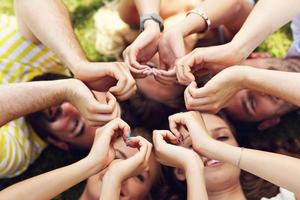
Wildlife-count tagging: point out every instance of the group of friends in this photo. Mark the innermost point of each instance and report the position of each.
(157, 125)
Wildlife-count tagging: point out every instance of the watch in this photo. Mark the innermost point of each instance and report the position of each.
(154, 17)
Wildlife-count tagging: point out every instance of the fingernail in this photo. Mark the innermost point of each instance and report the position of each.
(129, 136)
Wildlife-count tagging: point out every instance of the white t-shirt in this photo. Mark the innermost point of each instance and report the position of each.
(283, 195)
(294, 50)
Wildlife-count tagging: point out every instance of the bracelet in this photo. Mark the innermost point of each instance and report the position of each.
(239, 161)
(201, 13)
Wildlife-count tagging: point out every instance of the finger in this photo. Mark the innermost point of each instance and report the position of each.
(174, 123)
(193, 103)
(127, 94)
(202, 92)
(117, 89)
(187, 73)
(117, 124)
(133, 61)
(170, 73)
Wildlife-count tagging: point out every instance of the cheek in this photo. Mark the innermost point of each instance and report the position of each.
(137, 190)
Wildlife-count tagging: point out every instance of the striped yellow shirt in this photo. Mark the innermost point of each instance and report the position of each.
(20, 61)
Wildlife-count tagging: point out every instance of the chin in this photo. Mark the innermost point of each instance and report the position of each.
(218, 179)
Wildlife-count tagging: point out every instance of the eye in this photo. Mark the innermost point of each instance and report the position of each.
(222, 138)
(252, 102)
(141, 178)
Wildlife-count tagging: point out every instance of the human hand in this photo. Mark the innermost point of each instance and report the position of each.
(142, 49)
(138, 163)
(102, 152)
(190, 124)
(168, 152)
(216, 93)
(213, 59)
(90, 72)
(97, 108)
(171, 47)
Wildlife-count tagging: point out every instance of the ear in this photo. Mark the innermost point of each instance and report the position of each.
(59, 144)
(268, 123)
(180, 174)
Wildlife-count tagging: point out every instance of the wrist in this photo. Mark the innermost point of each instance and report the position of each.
(240, 50)
(194, 24)
(152, 26)
(71, 86)
(91, 166)
(74, 62)
(194, 164)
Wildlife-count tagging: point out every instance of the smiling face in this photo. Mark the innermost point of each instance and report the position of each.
(67, 125)
(134, 188)
(218, 175)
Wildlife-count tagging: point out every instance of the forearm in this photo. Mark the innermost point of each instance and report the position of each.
(271, 82)
(53, 182)
(195, 182)
(218, 13)
(147, 7)
(266, 17)
(269, 166)
(111, 187)
(50, 22)
(23, 98)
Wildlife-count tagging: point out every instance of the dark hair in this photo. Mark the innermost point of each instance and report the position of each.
(34, 119)
(140, 111)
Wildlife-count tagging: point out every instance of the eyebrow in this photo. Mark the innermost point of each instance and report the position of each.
(123, 155)
(219, 128)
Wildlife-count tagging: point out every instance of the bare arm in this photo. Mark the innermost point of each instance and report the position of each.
(54, 182)
(147, 7)
(269, 166)
(57, 181)
(218, 13)
(266, 17)
(272, 14)
(22, 98)
(276, 83)
(50, 22)
(223, 86)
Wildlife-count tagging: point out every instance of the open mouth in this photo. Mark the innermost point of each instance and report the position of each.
(77, 129)
(212, 163)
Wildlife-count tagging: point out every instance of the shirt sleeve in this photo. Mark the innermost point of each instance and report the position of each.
(283, 195)
(13, 159)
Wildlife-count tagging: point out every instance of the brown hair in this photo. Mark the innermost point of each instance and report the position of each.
(281, 139)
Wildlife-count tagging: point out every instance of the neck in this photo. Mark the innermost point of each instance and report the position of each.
(234, 192)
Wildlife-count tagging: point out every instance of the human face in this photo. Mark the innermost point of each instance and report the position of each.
(253, 106)
(134, 188)
(166, 94)
(218, 175)
(65, 122)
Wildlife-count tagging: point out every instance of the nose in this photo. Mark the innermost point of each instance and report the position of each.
(68, 109)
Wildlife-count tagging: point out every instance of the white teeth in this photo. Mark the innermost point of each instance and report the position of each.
(212, 162)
